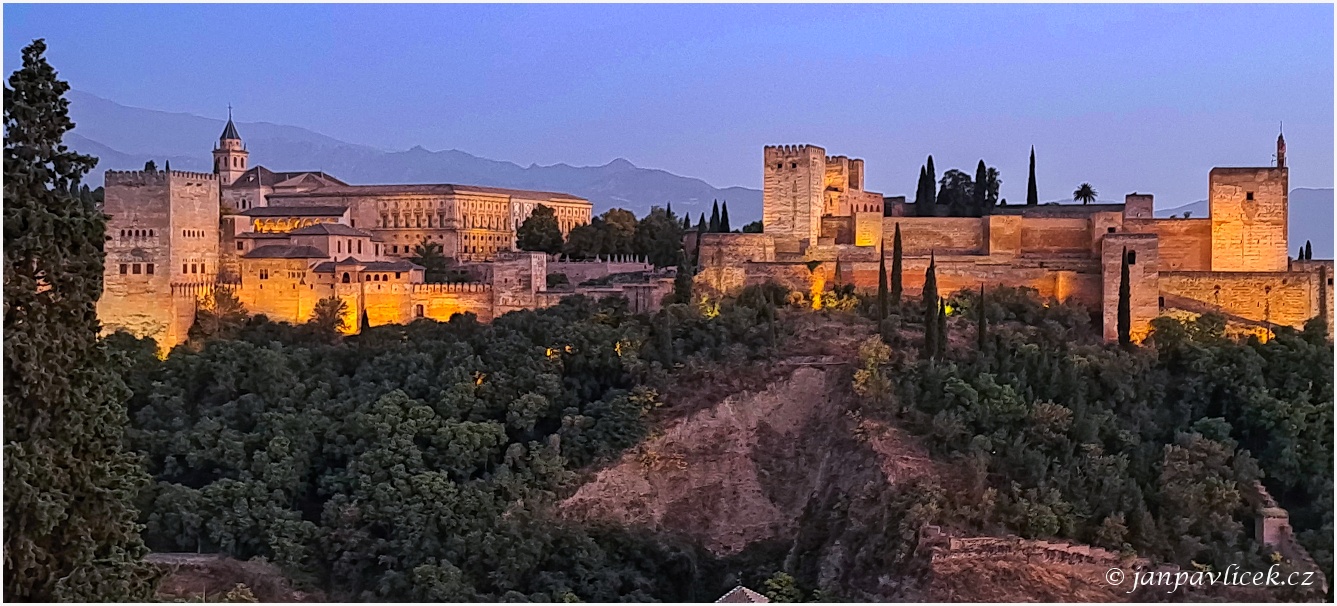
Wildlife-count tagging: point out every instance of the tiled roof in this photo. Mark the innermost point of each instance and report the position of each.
(262, 235)
(285, 251)
(259, 175)
(295, 211)
(329, 229)
(229, 131)
(441, 189)
(328, 266)
(742, 595)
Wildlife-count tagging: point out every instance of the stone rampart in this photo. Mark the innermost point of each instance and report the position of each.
(1285, 298)
(943, 235)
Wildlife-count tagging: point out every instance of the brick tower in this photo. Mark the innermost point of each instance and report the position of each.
(230, 155)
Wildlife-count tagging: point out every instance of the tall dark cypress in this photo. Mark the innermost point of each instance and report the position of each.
(715, 217)
(930, 306)
(881, 285)
(1125, 303)
(896, 268)
(923, 207)
(682, 283)
(1032, 194)
(940, 339)
(1309, 251)
(1300, 254)
(69, 517)
(724, 218)
(668, 210)
(981, 188)
(930, 182)
(982, 326)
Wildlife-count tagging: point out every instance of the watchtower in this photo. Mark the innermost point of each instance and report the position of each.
(792, 197)
(1249, 220)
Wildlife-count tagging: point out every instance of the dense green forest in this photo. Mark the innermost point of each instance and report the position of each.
(418, 462)
(1148, 449)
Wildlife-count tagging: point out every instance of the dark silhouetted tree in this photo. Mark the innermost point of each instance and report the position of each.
(540, 231)
(896, 279)
(724, 218)
(881, 285)
(1125, 319)
(715, 217)
(1084, 194)
(1032, 194)
(70, 524)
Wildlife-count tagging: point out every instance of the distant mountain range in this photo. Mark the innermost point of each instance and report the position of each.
(124, 138)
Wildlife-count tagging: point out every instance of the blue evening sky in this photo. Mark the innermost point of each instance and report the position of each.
(1127, 97)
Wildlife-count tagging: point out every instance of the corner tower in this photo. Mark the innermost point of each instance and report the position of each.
(1249, 216)
(230, 155)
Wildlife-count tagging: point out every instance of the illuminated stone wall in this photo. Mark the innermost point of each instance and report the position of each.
(1185, 244)
(1286, 298)
(1248, 213)
(1144, 278)
(945, 235)
(793, 195)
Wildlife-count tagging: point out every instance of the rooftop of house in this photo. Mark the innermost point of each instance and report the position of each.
(285, 251)
(330, 229)
(329, 266)
(742, 595)
(436, 188)
(295, 211)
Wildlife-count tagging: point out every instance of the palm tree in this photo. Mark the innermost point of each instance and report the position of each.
(1085, 193)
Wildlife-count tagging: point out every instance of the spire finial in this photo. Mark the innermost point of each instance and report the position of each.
(229, 111)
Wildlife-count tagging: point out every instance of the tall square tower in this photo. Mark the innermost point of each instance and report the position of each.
(792, 197)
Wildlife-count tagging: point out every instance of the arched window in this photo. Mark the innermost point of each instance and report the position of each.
(417, 311)
(347, 279)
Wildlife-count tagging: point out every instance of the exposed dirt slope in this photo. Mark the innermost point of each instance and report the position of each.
(210, 577)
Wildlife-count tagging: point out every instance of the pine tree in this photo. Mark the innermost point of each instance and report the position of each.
(1125, 303)
(1032, 194)
(70, 524)
(982, 330)
(724, 218)
(881, 286)
(981, 188)
(1309, 251)
(896, 267)
(715, 217)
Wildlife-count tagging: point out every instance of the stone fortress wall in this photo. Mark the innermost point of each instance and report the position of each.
(1234, 262)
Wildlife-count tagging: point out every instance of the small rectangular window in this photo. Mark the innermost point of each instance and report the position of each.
(185, 269)
(135, 269)
(1248, 196)
(1132, 257)
(241, 246)
(148, 269)
(1109, 230)
(124, 268)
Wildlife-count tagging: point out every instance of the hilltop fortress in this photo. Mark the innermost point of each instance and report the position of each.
(283, 241)
(821, 228)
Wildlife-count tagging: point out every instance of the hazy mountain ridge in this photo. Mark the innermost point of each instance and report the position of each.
(1310, 215)
(123, 138)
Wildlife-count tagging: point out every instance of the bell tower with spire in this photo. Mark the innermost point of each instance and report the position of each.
(230, 154)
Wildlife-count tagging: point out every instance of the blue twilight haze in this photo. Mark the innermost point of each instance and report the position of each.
(1126, 97)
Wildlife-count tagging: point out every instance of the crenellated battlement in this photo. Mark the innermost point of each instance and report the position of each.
(131, 178)
(792, 151)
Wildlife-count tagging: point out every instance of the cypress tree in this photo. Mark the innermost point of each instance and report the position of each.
(167, 166)
(930, 306)
(715, 217)
(682, 284)
(940, 339)
(922, 208)
(1300, 254)
(982, 331)
(981, 183)
(930, 182)
(881, 286)
(1032, 194)
(724, 218)
(1125, 303)
(70, 524)
(896, 267)
(1309, 251)
(366, 322)
(668, 210)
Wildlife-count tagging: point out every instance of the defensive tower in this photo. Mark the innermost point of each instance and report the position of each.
(792, 197)
(230, 155)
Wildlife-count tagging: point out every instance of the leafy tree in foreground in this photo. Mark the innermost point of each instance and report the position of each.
(330, 317)
(70, 532)
(540, 232)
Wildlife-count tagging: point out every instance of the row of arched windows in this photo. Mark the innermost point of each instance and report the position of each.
(137, 233)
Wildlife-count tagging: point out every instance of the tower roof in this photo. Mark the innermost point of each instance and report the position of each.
(229, 131)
